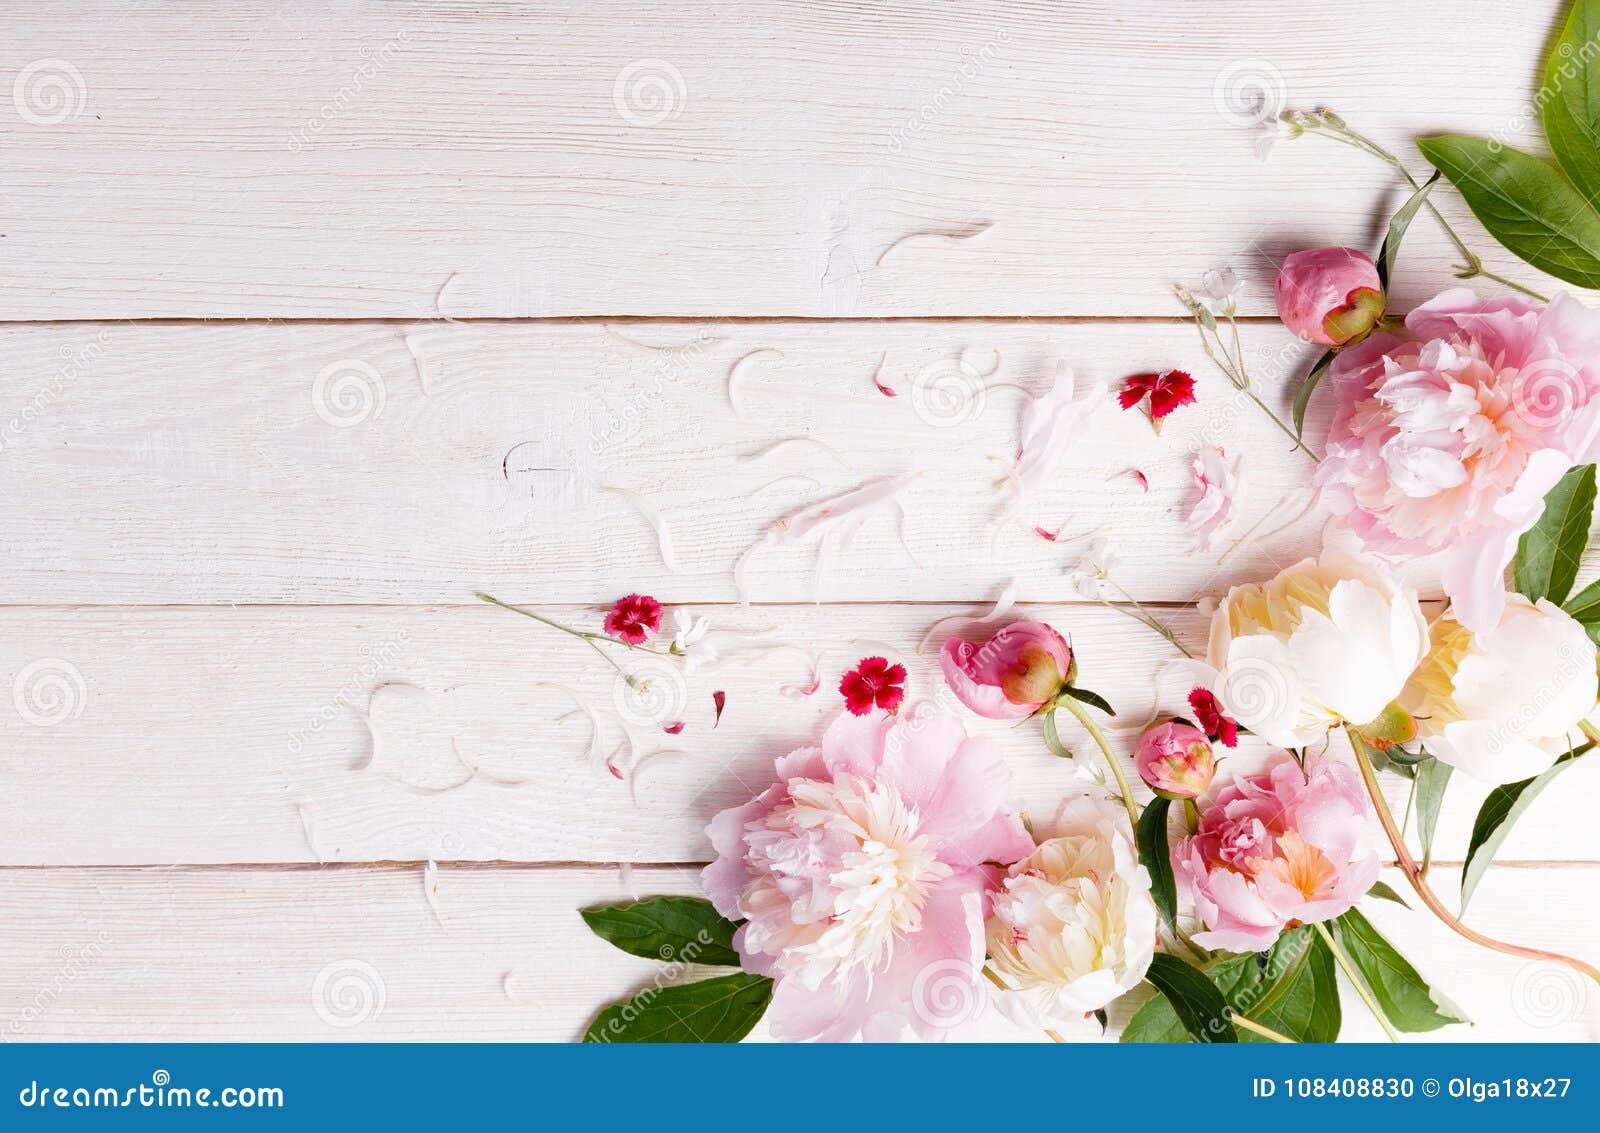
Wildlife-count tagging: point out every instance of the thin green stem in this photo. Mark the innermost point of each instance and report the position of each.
(1232, 365)
(1144, 616)
(1419, 882)
(1473, 265)
(1350, 973)
(1099, 737)
(588, 639)
(1261, 1029)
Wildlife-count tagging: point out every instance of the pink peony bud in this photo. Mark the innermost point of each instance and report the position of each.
(1330, 296)
(1014, 674)
(1176, 760)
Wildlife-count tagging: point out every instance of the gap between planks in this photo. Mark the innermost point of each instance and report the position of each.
(525, 866)
(624, 320)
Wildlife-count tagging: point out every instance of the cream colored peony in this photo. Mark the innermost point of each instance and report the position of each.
(1502, 705)
(1074, 925)
(1325, 642)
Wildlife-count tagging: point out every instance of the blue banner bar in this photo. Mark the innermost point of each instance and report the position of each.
(761, 1088)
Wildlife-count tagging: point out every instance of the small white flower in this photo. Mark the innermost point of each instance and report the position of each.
(1093, 569)
(691, 641)
(1222, 290)
(1266, 135)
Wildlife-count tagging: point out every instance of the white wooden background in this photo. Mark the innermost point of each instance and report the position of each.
(319, 318)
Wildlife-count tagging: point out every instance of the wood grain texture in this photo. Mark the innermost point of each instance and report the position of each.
(253, 463)
(358, 955)
(296, 160)
(331, 734)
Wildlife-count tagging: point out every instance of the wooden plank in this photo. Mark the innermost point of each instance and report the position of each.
(258, 463)
(152, 736)
(501, 159)
(358, 955)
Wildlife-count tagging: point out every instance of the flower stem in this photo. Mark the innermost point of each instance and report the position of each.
(1419, 882)
(1473, 265)
(1249, 1024)
(1099, 737)
(588, 639)
(1140, 614)
(1350, 973)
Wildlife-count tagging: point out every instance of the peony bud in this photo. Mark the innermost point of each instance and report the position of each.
(1330, 296)
(1175, 758)
(1014, 674)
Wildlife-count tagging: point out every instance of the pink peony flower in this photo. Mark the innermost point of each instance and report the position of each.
(1176, 760)
(864, 876)
(1275, 850)
(1446, 440)
(633, 618)
(1330, 296)
(1014, 674)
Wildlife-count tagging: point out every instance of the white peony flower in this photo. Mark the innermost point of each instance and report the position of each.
(1074, 925)
(1502, 705)
(1325, 642)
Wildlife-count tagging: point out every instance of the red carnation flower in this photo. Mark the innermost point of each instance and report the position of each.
(873, 682)
(1213, 721)
(1167, 391)
(634, 618)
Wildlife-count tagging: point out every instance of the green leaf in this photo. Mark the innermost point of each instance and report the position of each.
(1090, 698)
(1500, 811)
(1385, 892)
(1154, 854)
(1291, 989)
(683, 930)
(1525, 203)
(1197, 1001)
(722, 1010)
(1302, 399)
(1390, 252)
(1432, 778)
(1584, 606)
(1400, 990)
(1572, 112)
(1052, 738)
(1548, 553)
